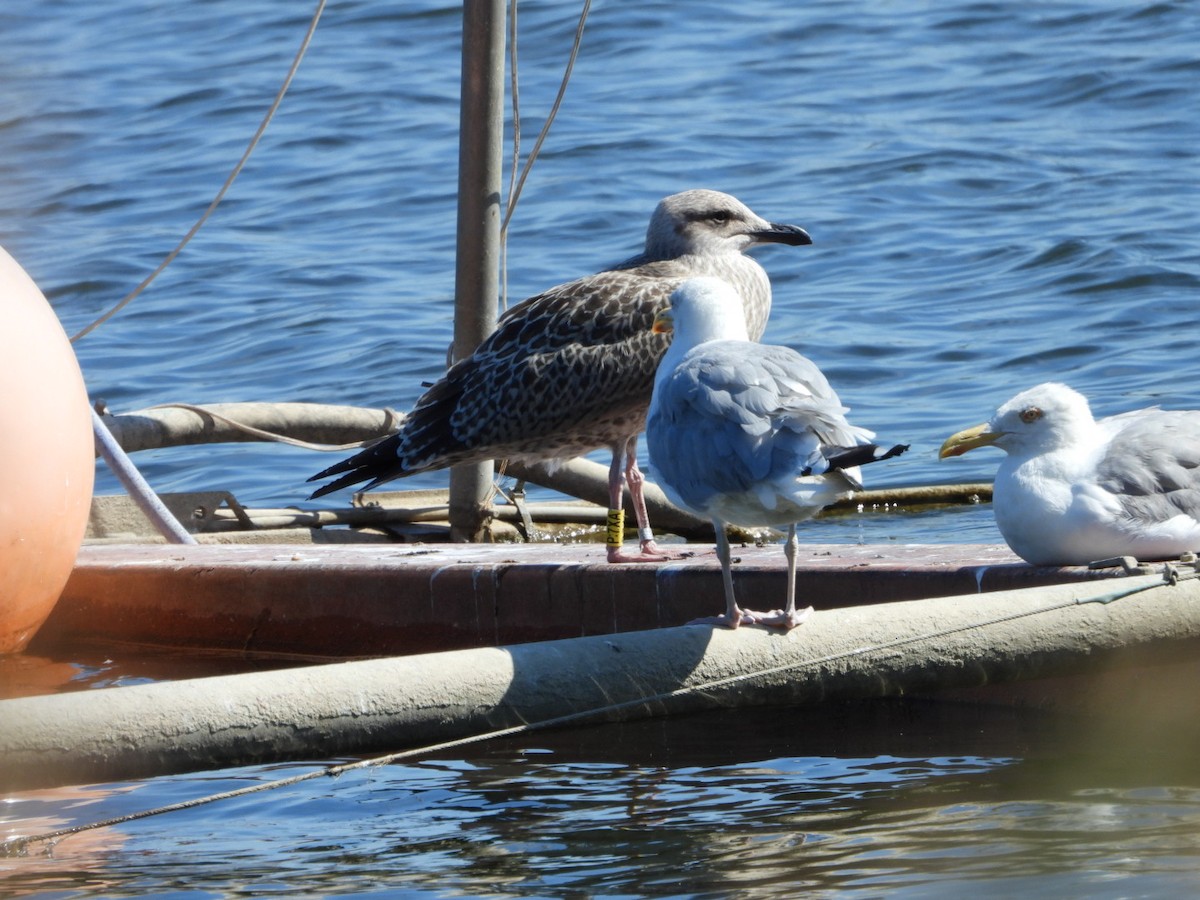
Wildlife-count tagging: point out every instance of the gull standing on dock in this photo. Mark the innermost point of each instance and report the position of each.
(571, 370)
(1074, 489)
(747, 434)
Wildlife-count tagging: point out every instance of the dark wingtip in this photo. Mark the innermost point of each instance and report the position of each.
(326, 488)
(346, 465)
(377, 461)
(860, 455)
(345, 481)
(337, 468)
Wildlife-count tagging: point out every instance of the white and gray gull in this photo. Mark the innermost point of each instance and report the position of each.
(747, 434)
(570, 370)
(1074, 489)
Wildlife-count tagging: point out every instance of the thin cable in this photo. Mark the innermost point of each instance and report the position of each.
(516, 185)
(515, 194)
(312, 27)
(17, 845)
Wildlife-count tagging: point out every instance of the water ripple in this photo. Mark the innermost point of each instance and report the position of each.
(997, 195)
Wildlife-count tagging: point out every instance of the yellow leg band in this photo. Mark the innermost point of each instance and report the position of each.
(616, 528)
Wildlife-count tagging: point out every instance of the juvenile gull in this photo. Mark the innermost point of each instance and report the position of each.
(570, 370)
(1073, 489)
(747, 434)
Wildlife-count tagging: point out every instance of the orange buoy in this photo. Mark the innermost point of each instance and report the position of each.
(47, 457)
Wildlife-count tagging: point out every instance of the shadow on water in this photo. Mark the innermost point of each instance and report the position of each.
(871, 796)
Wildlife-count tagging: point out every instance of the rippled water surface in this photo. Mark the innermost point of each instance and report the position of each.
(898, 799)
(999, 195)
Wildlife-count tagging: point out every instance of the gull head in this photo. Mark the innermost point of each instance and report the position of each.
(703, 222)
(1040, 420)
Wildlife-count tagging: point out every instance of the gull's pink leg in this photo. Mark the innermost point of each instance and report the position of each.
(786, 618)
(733, 615)
(624, 469)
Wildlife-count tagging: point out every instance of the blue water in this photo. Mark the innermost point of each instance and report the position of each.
(907, 800)
(999, 195)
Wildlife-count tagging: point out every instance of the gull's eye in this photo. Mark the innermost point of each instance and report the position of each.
(720, 217)
(1030, 414)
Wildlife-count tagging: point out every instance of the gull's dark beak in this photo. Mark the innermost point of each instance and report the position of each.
(782, 234)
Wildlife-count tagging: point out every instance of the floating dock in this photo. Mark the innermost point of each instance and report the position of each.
(334, 602)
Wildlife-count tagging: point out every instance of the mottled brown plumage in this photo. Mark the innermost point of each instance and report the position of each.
(571, 370)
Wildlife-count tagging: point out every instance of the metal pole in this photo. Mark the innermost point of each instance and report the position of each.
(141, 492)
(476, 291)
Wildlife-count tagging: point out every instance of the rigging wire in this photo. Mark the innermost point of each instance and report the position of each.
(514, 194)
(237, 169)
(516, 184)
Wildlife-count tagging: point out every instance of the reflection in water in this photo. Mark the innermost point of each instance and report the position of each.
(81, 667)
(866, 798)
(83, 859)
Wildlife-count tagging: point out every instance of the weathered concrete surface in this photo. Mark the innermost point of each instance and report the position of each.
(345, 601)
(387, 704)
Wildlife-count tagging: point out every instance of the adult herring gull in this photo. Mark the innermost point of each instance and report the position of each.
(747, 434)
(1074, 489)
(570, 370)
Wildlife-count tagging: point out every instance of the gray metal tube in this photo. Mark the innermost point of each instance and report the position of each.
(141, 492)
(173, 426)
(476, 288)
(388, 704)
(212, 423)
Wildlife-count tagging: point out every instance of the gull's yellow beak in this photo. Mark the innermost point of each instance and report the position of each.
(969, 439)
(664, 322)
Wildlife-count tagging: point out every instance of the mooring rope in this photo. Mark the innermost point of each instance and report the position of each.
(237, 170)
(1169, 577)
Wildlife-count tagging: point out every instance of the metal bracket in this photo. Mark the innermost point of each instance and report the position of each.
(1129, 564)
(1185, 568)
(517, 498)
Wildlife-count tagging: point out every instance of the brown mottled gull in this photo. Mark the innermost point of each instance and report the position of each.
(1074, 489)
(747, 434)
(571, 370)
